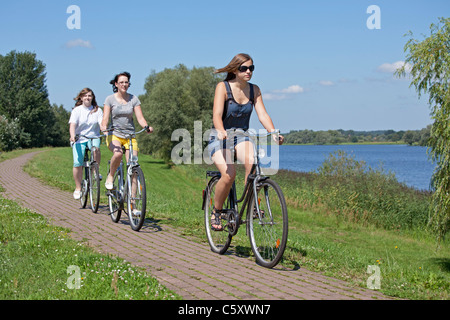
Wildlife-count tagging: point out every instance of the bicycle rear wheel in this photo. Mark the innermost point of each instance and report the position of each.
(219, 241)
(114, 198)
(84, 188)
(268, 228)
(94, 186)
(137, 199)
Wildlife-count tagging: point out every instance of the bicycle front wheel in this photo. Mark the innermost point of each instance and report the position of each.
(219, 241)
(268, 227)
(114, 198)
(94, 186)
(84, 188)
(136, 199)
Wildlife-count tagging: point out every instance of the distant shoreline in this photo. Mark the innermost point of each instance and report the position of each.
(349, 143)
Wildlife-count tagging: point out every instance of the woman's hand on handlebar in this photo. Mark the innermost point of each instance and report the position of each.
(221, 134)
(278, 138)
(149, 129)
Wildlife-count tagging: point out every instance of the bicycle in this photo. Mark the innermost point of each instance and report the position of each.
(90, 185)
(266, 219)
(129, 189)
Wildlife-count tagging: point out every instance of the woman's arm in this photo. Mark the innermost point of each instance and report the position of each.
(105, 120)
(263, 116)
(72, 127)
(140, 118)
(218, 109)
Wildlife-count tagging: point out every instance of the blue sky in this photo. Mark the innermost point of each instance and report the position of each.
(317, 63)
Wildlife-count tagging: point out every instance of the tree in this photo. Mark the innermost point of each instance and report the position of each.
(23, 95)
(12, 135)
(410, 137)
(430, 72)
(59, 129)
(175, 99)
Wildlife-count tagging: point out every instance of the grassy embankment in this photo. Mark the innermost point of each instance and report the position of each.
(340, 221)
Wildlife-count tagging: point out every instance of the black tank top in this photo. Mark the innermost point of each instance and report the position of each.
(235, 115)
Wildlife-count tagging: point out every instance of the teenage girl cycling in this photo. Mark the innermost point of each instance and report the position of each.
(234, 100)
(85, 119)
(120, 107)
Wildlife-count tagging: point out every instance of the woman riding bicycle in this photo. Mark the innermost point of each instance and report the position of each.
(120, 107)
(85, 119)
(234, 101)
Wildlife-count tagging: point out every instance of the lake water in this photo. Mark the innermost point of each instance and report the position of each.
(411, 165)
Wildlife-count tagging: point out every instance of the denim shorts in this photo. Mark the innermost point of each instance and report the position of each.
(78, 150)
(216, 144)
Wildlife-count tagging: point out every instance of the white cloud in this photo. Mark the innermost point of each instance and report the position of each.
(392, 67)
(326, 83)
(283, 94)
(292, 89)
(79, 43)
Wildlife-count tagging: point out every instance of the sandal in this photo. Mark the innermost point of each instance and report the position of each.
(216, 224)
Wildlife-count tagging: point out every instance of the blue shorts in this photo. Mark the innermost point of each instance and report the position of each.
(78, 150)
(216, 144)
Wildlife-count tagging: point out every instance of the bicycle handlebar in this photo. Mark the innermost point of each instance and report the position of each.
(127, 134)
(231, 133)
(78, 136)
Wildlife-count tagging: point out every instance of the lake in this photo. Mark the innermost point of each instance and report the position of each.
(411, 165)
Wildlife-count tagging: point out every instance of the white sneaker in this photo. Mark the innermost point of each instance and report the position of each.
(77, 194)
(109, 184)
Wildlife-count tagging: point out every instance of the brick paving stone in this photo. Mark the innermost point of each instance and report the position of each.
(181, 264)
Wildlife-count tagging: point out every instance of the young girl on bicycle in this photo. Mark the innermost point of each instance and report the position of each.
(234, 101)
(85, 119)
(120, 107)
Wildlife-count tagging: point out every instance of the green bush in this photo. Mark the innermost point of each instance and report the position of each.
(12, 135)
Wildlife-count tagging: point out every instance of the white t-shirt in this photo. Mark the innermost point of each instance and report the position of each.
(88, 124)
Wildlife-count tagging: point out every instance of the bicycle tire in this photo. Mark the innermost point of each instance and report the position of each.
(114, 201)
(137, 203)
(94, 186)
(268, 234)
(84, 188)
(219, 241)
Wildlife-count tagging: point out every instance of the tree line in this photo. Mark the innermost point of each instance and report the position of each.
(27, 119)
(410, 137)
(174, 98)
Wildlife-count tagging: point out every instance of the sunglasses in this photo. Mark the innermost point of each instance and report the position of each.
(245, 68)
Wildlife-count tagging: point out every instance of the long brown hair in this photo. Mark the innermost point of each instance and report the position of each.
(79, 102)
(234, 64)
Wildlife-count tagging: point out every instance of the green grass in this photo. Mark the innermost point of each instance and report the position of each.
(36, 260)
(321, 238)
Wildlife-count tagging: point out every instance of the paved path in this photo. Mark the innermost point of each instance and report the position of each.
(187, 267)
